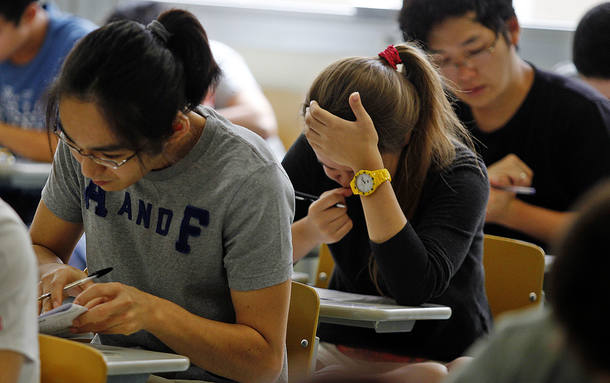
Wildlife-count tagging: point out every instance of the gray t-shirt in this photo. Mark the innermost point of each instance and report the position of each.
(526, 347)
(218, 219)
(18, 291)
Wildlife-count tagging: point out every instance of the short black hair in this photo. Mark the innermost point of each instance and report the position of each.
(13, 10)
(579, 282)
(141, 11)
(139, 77)
(418, 17)
(591, 46)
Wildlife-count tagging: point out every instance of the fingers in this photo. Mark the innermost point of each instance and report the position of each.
(338, 228)
(330, 198)
(54, 283)
(356, 104)
(98, 290)
(510, 170)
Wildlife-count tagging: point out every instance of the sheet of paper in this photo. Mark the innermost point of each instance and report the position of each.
(58, 321)
(342, 296)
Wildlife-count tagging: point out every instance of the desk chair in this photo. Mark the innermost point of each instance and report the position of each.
(326, 265)
(514, 272)
(67, 361)
(301, 341)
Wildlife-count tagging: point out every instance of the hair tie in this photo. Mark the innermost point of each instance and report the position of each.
(159, 30)
(390, 54)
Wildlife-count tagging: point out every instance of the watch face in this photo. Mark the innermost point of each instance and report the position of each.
(364, 183)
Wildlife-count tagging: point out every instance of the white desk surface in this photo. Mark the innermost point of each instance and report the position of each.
(548, 262)
(380, 313)
(134, 365)
(299, 276)
(25, 174)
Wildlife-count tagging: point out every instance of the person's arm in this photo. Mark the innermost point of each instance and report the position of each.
(32, 144)
(505, 209)
(532, 220)
(324, 223)
(251, 109)
(249, 350)
(414, 266)
(10, 365)
(53, 240)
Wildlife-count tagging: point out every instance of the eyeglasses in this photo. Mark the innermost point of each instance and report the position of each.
(100, 161)
(472, 59)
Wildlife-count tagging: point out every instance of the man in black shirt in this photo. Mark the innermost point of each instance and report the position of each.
(532, 128)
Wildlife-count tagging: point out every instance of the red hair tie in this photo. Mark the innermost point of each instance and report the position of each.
(390, 54)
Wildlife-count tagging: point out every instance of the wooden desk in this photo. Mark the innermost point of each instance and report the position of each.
(23, 174)
(379, 313)
(131, 365)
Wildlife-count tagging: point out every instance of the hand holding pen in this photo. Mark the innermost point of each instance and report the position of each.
(516, 189)
(55, 278)
(67, 287)
(311, 198)
(327, 220)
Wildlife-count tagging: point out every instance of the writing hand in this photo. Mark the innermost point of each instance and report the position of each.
(327, 223)
(54, 282)
(510, 170)
(113, 308)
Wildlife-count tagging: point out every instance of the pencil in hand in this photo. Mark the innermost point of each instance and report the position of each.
(311, 198)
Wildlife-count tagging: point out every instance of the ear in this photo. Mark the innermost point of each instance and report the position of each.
(514, 30)
(29, 13)
(180, 126)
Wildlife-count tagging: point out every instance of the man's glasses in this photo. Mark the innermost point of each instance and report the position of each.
(98, 160)
(472, 59)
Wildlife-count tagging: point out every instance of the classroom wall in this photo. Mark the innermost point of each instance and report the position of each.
(285, 49)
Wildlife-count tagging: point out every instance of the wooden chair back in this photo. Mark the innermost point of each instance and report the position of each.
(514, 272)
(326, 265)
(301, 332)
(67, 361)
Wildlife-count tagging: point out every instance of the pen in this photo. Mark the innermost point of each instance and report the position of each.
(96, 274)
(517, 189)
(311, 198)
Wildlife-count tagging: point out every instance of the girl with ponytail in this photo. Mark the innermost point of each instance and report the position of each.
(169, 194)
(383, 128)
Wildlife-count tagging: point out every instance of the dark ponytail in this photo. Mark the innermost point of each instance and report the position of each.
(189, 43)
(138, 78)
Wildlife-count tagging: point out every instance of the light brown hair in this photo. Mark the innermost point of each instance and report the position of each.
(410, 103)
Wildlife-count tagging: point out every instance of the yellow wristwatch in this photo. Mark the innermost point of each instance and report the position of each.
(365, 182)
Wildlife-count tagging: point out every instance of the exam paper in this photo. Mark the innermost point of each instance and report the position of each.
(58, 321)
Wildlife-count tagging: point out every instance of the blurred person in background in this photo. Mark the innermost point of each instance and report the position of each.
(591, 48)
(237, 95)
(533, 128)
(34, 40)
(18, 287)
(570, 342)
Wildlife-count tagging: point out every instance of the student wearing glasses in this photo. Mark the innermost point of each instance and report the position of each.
(192, 211)
(532, 128)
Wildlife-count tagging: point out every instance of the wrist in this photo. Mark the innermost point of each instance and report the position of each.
(373, 161)
(157, 312)
(312, 232)
(511, 214)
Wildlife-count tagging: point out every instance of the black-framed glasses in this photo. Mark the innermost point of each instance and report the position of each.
(473, 59)
(98, 160)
